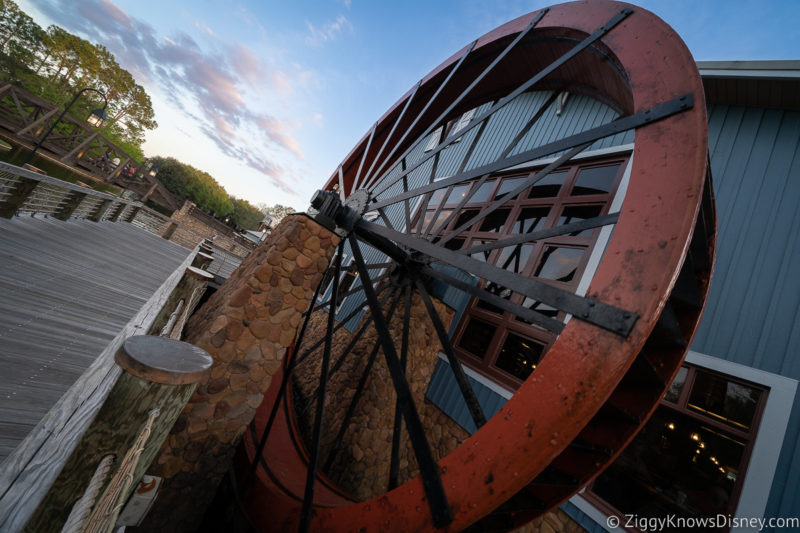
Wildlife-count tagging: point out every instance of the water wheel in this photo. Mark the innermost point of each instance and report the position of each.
(615, 342)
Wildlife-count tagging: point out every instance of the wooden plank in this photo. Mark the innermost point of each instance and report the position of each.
(29, 471)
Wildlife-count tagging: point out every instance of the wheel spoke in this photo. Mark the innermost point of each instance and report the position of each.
(371, 182)
(394, 127)
(529, 315)
(363, 157)
(383, 186)
(619, 125)
(475, 409)
(342, 323)
(357, 394)
(532, 179)
(457, 209)
(595, 312)
(308, 496)
(574, 227)
(345, 352)
(394, 464)
(429, 470)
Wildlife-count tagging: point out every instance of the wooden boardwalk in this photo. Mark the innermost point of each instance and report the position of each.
(66, 290)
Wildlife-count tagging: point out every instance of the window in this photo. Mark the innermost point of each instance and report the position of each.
(434, 139)
(691, 456)
(493, 342)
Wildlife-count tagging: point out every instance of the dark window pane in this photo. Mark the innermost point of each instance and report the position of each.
(675, 388)
(480, 256)
(578, 213)
(477, 337)
(465, 216)
(496, 221)
(530, 219)
(548, 186)
(723, 400)
(598, 180)
(559, 264)
(483, 194)
(519, 356)
(508, 185)
(345, 283)
(457, 194)
(454, 244)
(676, 465)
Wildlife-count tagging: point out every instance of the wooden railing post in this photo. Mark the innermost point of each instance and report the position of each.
(158, 373)
(74, 199)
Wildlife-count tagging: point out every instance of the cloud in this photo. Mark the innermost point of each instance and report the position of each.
(328, 32)
(213, 83)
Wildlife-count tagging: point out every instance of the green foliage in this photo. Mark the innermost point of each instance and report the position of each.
(55, 64)
(185, 181)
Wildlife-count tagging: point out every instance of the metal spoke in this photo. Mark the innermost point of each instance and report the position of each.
(595, 312)
(457, 209)
(287, 371)
(461, 96)
(350, 345)
(357, 394)
(529, 315)
(363, 157)
(406, 207)
(394, 126)
(342, 323)
(475, 409)
(527, 127)
(326, 303)
(394, 464)
(370, 183)
(597, 34)
(574, 227)
(429, 470)
(385, 219)
(308, 495)
(532, 179)
(619, 125)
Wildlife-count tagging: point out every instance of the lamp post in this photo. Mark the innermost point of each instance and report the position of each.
(95, 119)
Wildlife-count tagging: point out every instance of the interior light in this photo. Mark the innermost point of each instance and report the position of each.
(671, 425)
(695, 437)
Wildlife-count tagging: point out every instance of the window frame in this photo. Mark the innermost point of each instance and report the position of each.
(767, 443)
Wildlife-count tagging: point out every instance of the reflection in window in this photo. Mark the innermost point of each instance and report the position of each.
(726, 401)
(674, 391)
(539, 307)
(597, 180)
(578, 213)
(437, 197)
(508, 185)
(483, 194)
(443, 214)
(496, 221)
(530, 219)
(676, 465)
(558, 263)
(514, 258)
(457, 194)
(465, 216)
(519, 356)
(477, 337)
(548, 186)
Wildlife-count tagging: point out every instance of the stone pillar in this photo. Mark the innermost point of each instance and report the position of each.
(247, 327)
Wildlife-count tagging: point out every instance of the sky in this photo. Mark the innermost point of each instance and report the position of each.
(269, 96)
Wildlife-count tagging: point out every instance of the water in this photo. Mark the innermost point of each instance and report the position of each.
(18, 153)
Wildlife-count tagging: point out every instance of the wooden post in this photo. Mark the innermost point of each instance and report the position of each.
(74, 199)
(159, 373)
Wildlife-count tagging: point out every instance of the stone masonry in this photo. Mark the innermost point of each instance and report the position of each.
(246, 326)
(362, 462)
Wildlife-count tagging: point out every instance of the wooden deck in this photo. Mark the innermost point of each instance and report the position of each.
(66, 290)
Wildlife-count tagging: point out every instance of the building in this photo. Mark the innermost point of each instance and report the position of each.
(724, 439)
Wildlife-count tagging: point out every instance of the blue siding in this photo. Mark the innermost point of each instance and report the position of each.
(443, 391)
(751, 317)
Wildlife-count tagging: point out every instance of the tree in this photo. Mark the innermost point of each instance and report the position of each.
(278, 211)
